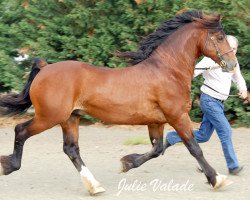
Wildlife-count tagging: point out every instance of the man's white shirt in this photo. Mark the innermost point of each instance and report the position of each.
(218, 80)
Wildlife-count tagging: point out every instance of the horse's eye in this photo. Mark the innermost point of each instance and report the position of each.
(220, 38)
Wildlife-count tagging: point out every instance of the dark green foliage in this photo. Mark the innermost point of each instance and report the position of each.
(91, 30)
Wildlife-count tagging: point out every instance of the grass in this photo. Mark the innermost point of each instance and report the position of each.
(137, 141)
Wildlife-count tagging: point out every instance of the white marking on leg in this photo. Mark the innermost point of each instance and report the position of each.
(92, 185)
(85, 173)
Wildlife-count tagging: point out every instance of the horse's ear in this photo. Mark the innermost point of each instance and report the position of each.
(198, 20)
(211, 16)
(218, 17)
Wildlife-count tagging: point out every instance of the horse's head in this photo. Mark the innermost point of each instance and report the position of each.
(215, 45)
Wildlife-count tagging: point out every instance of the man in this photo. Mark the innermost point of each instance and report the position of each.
(215, 90)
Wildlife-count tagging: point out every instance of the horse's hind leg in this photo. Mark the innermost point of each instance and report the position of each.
(135, 160)
(70, 130)
(23, 131)
(184, 129)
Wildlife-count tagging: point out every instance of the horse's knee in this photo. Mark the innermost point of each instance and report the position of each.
(194, 148)
(196, 152)
(72, 150)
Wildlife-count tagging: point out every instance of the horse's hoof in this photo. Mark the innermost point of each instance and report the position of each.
(126, 166)
(221, 181)
(121, 170)
(1, 170)
(96, 190)
(1, 167)
(92, 188)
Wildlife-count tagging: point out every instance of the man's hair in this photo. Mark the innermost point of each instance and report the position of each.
(232, 38)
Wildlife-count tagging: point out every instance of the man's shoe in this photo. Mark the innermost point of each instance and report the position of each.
(236, 170)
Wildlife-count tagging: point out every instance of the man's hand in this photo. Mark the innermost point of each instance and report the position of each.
(243, 94)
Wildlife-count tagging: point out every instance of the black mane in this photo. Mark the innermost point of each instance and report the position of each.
(152, 41)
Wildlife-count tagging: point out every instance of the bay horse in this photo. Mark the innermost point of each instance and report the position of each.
(153, 91)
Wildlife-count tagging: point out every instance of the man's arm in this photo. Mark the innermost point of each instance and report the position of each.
(240, 82)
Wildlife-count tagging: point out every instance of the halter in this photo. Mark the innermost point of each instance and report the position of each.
(218, 53)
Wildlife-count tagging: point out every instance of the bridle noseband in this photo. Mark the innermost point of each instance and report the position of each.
(218, 53)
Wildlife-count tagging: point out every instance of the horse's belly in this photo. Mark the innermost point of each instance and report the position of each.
(126, 114)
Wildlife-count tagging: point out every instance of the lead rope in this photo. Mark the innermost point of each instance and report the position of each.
(246, 100)
(207, 68)
(229, 95)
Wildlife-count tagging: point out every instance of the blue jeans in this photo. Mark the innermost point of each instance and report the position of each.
(213, 119)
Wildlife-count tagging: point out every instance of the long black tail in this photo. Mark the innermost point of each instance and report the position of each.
(13, 104)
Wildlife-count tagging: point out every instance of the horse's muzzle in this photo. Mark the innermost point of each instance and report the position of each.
(228, 66)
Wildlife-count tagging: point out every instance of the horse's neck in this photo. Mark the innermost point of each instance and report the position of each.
(180, 51)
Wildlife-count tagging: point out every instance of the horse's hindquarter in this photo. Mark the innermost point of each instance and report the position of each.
(121, 96)
(56, 88)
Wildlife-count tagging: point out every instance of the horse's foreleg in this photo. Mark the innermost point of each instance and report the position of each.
(23, 131)
(70, 146)
(136, 160)
(184, 129)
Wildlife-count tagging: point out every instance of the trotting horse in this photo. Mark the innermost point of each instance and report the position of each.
(152, 92)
